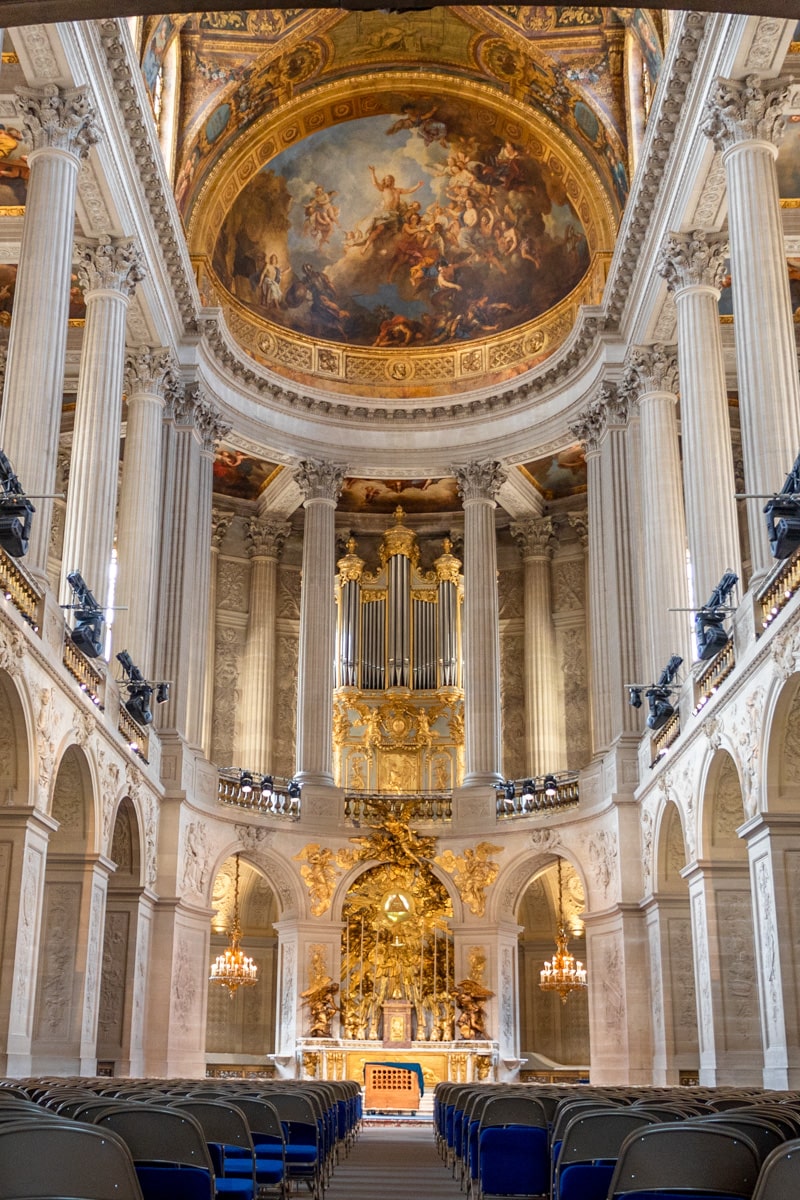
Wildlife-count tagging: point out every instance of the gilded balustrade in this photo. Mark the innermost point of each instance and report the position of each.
(19, 590)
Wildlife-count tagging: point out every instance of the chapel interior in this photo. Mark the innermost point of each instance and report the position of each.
(399, 537)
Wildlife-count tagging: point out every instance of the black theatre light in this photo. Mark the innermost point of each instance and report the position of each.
(266, 786)
(16, 511)
(528, 792)
(246, 783)
(88, 632)
(162, 693)
(658, 696)
(550, 786)
(293, 790)
(138, 703)
(783, 515)
(710, 634)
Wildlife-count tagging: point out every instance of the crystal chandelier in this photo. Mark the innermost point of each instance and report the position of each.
(234, 969)
(562, 973)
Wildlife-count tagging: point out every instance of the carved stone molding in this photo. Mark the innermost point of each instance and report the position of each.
(536, 536)
(192, 408)
(58, 119)
(653, 369)
(479, 480)
(765, 43)
(693, 259)
(109, 264)
(319, 480)
(220, 523)
(147, 369)
(608, 410)
(580, 523)
(710, 199)
(746, 110)
(265, 536)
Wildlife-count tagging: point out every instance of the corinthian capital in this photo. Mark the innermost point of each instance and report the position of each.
(609, 409)
(211, 425)
(147, 369)
(319, 480)
(479, 480)
(653, 369)
(535, 536)
(58, 119)
(746, 110)
(265, 536)
(220, 522)
(693, 259)
(109, 264)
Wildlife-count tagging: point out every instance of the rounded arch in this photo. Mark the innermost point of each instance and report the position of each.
(73, 803)
(272, 866)
(671, 851)
(360, 868)
(506, 893)
(780, 781)
(15, 744)
(125, 847)
(722, 810)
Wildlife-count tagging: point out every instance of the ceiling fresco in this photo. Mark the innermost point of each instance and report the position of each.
(558, 475)
(413, 495)
(239, 475)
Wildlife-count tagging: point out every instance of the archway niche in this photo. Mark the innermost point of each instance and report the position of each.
(72, 922)
(554, 1034)
(240, 1029)
(14, 779)
(119, 1026)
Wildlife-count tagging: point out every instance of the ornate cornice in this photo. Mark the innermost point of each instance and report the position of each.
(692, 259)
(479, 480)
(652, 369)
(265, 536)
(536, 536)
(58, 119)
(109, 264)
(319, 480)
(746, 110)
(147, 370)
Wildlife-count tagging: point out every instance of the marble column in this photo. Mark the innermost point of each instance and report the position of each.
(264, 539)
(479, 484)
(60, 127)
(693, 265)
(653, 377)
(148, 372)
(536, 538)
(320, 483)
(746, 121)
(108, 271)
(220, 523)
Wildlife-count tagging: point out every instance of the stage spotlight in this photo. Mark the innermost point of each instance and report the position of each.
(710, 634)
(528, 792)
(138, 703)
(16, 511)
(88, 632)
(266, 786)
(293, 790)
(162, 693)
(783, 515)
(635, 696)
(658, 696)
(509, 789)
(246, 783)
(550, 786)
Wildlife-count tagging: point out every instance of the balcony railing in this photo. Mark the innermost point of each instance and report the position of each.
(135, 734)
(712, 675)
(779, 589)
(541, 794)
(428, 807)
(90, 678)
(19, 590)
(665, 738)
(269, 795)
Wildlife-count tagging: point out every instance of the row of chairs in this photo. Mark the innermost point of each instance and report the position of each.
(579, 1143)
(176, 1140)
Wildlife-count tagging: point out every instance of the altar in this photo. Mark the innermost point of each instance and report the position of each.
(346, 1058)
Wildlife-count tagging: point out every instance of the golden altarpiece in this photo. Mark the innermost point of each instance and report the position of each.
(398, 703)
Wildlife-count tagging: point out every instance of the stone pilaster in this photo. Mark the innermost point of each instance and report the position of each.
(220, 523)
(746, 121)
(537, 540)
(60, 127)
(108, 271)
(264, 539)
(693, 265)
(147, 373)
(321, 484)
(653, 380)
(479, 484)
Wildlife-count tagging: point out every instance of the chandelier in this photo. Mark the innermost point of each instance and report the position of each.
(234, 969)
(562, 973)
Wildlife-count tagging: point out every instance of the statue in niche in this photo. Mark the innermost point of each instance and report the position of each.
(319, 997)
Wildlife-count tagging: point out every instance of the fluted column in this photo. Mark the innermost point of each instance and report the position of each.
(478, 484)
(536, 538)
(320, 483)
(653, 378)
(746, 121)
(220, 522)
(108, 271)
(60, 127)
(265, 538)
(147, 373)
(693, 265)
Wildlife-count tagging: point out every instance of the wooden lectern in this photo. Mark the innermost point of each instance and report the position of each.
(388, 1087)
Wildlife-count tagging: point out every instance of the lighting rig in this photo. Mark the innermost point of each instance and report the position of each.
(88, 632)
(709, 632)
(658, 694)
(263, 791)
(16, 512)
(782, 512)
(139, 690)
(534, 794)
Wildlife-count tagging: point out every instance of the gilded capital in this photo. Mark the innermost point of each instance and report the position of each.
(652, 369)
(693, 259)
(746, 110)
(319, 480)
(58, 118)
(479, 480)
(114, 264)
(147, 369)
(536, 536)
(265, 536)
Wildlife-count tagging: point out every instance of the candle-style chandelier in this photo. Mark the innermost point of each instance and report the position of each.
(562, 973)
(234, 968)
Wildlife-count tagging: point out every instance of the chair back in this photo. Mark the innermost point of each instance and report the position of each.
(56, 1157)
(599, 1134)
(220, 1121)
(513, 1110)
(693, 1158)
(779, 1178)
(159, 1135)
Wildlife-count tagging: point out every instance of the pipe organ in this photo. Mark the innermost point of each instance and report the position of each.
(398, 704)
